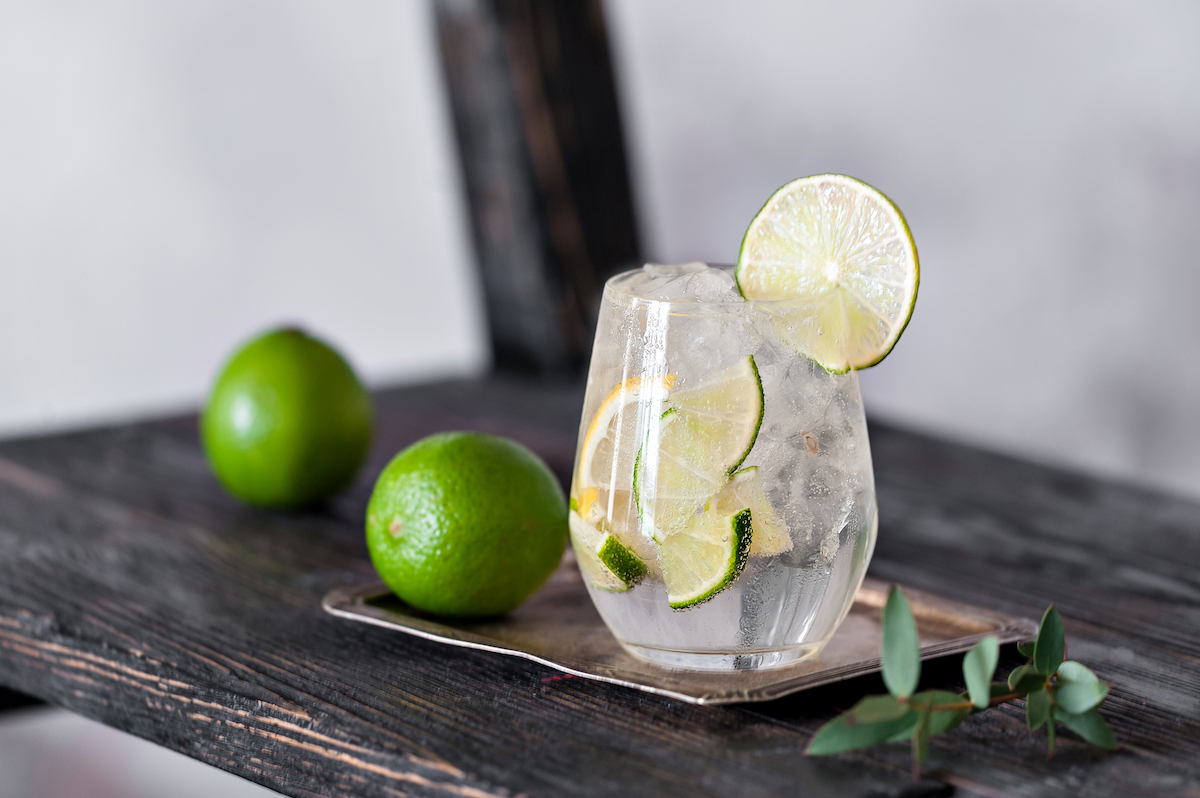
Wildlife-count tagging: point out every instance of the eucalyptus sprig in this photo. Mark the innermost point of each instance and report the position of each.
(1055, 691)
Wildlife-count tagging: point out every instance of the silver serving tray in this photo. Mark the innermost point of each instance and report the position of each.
(560, 628)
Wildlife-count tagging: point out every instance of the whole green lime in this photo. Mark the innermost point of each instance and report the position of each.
(466, 524)
(287, 422)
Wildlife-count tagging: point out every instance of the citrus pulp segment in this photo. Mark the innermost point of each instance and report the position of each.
(745, 489)
(703, 558)
(837, 257)
(602, 559)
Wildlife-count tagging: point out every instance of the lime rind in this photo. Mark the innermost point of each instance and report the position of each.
(705, 558)
(603, 560)
(621, 562)
(854, 341)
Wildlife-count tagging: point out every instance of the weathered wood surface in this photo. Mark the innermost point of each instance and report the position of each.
(135, 592)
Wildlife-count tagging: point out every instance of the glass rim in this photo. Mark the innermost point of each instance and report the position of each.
(611, 285)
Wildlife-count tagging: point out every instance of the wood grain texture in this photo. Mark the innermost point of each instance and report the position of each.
(135, 592)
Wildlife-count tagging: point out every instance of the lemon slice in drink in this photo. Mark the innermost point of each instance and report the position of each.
(701, 438)
(745, 489)
(603, 559)
(606, 457)
(703, 558)
(839, 257)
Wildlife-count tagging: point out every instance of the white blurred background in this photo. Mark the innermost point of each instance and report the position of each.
(175, 176)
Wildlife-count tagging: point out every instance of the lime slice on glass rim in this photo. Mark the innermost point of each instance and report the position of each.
(840, 261)
(603, 559)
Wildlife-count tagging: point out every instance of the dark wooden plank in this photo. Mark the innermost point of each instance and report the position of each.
(134, 591)
(540, 144)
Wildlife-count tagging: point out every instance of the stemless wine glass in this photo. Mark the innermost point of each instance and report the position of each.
(723, 503)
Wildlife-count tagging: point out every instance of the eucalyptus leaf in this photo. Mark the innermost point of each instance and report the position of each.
(999, 689)
(1090, 726)
(1050, 731)
(979, 665)
(876, 709)
(1025, 649)
(921, 738)
(901, 648)
(1037, 708)
(1026, 679)
(1079, 697)
(839, 735)
(1071, 671)
(1050, 647)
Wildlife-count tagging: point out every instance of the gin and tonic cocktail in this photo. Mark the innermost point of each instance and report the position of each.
(723, 503)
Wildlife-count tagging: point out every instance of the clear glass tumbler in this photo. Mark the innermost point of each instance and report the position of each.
(723, 502)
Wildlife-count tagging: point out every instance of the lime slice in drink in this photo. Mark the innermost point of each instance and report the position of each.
(745, 489)
(703, 436)
(839, 258)
(606, 456)
(603, 559)
(703, 558)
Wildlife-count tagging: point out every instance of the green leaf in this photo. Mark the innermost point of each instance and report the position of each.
(1050, 647)
(1026, 679)
(1079, 697)
(839, 735)
(920, 740)
(1025, 649)
(876, 709)
(1090, 726)
(999, 689)
(979, 665)
(901, 648)
(1037, 708)
(1078, 688)
(1071, 671)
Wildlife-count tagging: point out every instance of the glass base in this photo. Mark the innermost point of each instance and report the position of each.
(723, 660)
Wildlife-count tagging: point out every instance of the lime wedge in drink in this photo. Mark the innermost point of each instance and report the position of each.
(745, 489)
(703, 558)
(703, 436)
(839, 258)
(603, 559)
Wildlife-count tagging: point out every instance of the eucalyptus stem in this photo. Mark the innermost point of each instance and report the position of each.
(1056, 690)
(968, 705)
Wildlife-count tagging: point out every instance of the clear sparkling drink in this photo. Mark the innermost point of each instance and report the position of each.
(723, 502)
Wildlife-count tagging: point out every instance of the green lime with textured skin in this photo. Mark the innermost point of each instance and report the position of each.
(287, 423)
(466, 524)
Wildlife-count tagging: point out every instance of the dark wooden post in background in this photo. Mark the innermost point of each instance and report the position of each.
(539, 135)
